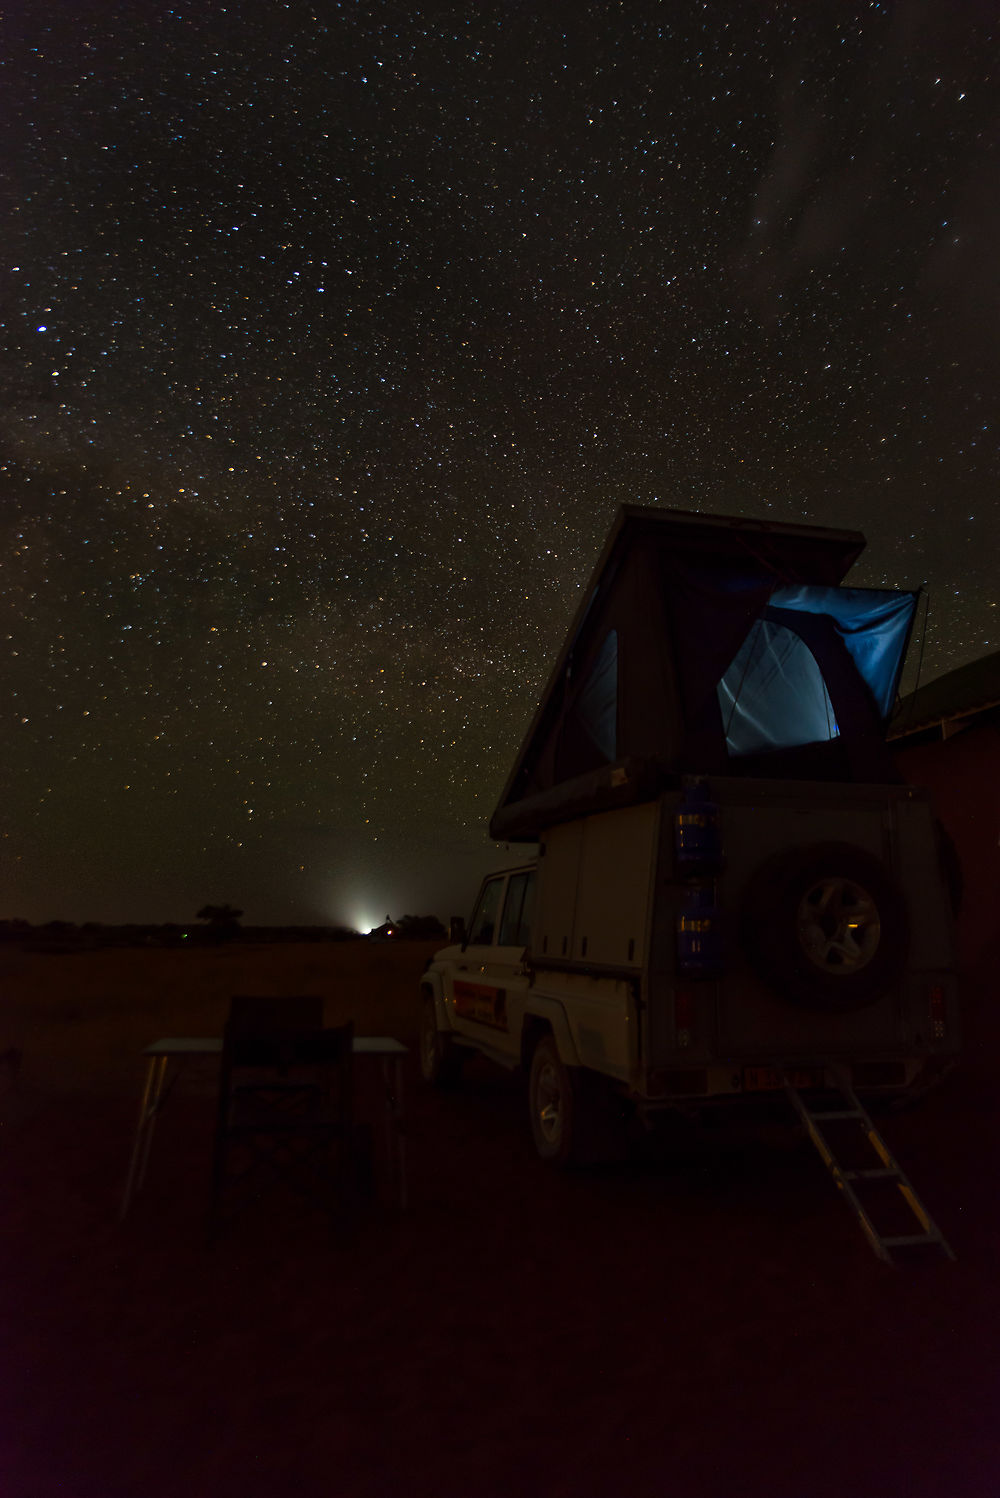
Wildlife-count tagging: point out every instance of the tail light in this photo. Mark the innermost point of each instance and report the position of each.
(683, 1015)
(938, 1011)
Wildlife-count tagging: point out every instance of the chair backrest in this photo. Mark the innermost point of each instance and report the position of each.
(269, 1012)
(282, 1082)
(265, 1033)
(283, 1049)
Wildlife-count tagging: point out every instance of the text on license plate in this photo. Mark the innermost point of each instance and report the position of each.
(769, 1079)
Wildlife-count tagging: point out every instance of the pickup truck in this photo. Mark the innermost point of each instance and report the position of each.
(732, 886)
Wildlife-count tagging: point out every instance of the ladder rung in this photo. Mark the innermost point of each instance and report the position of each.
(885, 1172)
(875, 1173)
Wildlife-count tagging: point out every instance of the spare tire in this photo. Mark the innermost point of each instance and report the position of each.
(826, 927)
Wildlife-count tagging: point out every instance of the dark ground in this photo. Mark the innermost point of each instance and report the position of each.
(708, 1320)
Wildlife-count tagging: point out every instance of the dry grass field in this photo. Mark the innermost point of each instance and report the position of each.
(707, 1320)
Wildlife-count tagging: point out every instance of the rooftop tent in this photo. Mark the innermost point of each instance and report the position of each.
(704, 643)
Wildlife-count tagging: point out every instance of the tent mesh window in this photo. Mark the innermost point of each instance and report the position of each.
(773, 696)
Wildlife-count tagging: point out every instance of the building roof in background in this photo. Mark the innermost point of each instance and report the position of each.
(965, 692)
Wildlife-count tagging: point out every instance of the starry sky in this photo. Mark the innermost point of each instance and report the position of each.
(331, 339)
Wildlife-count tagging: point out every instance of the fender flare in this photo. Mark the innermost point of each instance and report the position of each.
(553, 1015)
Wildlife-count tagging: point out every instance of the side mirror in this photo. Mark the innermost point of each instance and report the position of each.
(456, 931)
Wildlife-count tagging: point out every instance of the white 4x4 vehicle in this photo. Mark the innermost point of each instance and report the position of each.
(732, 886)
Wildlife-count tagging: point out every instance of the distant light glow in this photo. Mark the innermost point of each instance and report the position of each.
(360, 918)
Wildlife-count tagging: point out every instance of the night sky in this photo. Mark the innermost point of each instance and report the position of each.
(333, 337)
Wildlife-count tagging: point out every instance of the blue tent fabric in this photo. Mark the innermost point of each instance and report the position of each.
(775, 692)
(873, 623)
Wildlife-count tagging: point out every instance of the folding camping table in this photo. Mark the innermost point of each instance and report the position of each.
(183, 1048)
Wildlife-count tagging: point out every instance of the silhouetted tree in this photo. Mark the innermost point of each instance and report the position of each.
(420, 927)
(223, 921)
(218, 915)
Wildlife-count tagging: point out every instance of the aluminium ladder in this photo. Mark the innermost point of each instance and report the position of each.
(851, 1181)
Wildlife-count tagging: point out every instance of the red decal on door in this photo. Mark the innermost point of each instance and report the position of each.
(484, 1005)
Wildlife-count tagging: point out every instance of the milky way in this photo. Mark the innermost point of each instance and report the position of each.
(332, 340)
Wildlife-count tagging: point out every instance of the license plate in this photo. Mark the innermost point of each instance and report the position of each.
(767, 1079)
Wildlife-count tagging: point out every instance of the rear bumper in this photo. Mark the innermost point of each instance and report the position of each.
(747, 1081)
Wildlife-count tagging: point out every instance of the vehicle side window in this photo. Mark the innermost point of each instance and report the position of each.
(515, 928)
(484, 920)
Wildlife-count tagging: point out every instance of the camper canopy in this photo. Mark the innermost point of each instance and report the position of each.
(710, 645)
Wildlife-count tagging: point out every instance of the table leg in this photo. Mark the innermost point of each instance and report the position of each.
(154, 1108)
(140, 1132)
(400, 1133)
(395, 1141)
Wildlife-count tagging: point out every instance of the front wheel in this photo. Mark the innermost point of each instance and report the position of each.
(440, 1058)
(575, 1120)
(550, 1101)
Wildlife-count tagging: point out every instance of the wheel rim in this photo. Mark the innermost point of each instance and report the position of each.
(548, 1103)
(838, 926)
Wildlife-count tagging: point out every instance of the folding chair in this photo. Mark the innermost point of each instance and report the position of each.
(250, 1011)
(285, 1105)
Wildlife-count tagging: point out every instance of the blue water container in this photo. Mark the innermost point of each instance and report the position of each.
(697, 836)
(699, 934)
